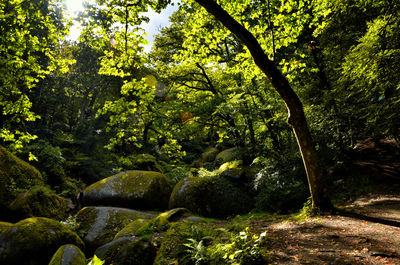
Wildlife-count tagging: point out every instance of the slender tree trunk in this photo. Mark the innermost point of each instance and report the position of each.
(294, 106)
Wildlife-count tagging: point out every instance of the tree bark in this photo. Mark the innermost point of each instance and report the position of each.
(296, 118)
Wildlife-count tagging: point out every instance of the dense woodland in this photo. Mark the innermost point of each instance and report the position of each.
(287, 89)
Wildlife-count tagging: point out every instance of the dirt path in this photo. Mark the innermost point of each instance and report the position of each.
(340, 239)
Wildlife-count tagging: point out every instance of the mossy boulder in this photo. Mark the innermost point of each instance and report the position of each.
(111, 248)
(145, 190)
(209, 154)
(99, 225)
(212, 196)
(16, 176)
(123, 251)
(227, 155)
(4, 226)
(32, 241)
(232, 169)
(161, 223)
(172, 215)
(68, 255)
(39, 201)
(132, 228)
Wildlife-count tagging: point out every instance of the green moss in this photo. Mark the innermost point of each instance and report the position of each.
(173, 249)
(226, 156)
(39, 201)
(68, 255)
(4, 226)
(133, 189)
(162, 222)
(138, 252)
(99, 225)
(16, 176)
(131, 229)
(33, 240)
(232, 169)
(230, 164)
(209, 155)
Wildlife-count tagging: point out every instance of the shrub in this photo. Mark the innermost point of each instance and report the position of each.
(279, 185)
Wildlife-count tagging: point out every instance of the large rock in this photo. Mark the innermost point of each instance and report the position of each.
(4, 226)
(227, 155)
(232, 169)
(146, 190)
(123, 251)
(210, 196)
(99, 225)
(209, 154)
(33, 241)
(68, 255)
(161, 223)
(39, 201)
(130, 231)
(15, 176)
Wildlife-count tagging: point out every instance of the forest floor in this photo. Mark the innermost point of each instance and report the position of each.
(367, 231)
(371, 235)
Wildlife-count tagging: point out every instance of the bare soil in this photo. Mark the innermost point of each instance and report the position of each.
(365, 238)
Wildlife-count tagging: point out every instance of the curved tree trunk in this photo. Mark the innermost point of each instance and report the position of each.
(294, 106)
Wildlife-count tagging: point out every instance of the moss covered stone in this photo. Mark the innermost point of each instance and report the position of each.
(68, 255)
(146, 190)
(107, 251)
(99, 225)
(16, 176)
(33, 241)
(173, 215)
(123, 251)
(131, 229)
(4, 226)
(159, 224)
(209, 154)
(212, 196)
(232, 169)
(39, 201)
(227, 155)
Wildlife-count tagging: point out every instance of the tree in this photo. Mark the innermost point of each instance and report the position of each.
(29, 31)
(296, 117)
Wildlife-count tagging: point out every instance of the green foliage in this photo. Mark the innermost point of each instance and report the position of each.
(177, 174)
(29, 34)
(173, 247)
(96, 261)
(50, 161)
(242, 248)
(279, 184)
(106, 106)
(370, 71)
(305, 212)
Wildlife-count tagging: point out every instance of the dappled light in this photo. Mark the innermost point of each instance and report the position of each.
(199, 132)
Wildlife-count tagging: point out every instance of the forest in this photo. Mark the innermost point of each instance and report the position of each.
(250, 126)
